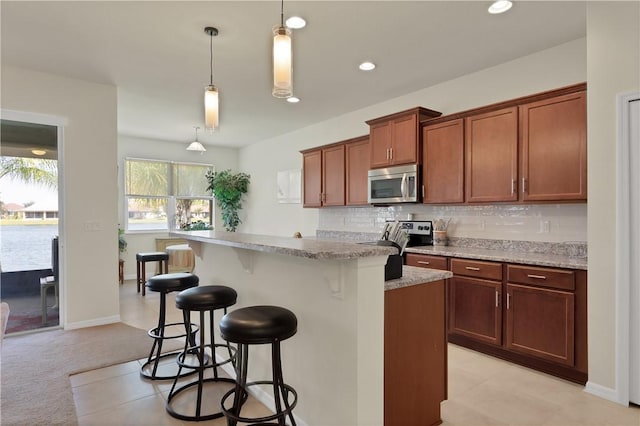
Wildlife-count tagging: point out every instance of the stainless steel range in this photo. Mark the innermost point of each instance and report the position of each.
(420, 232)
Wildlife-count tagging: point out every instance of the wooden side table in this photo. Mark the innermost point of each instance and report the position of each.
(120, 271)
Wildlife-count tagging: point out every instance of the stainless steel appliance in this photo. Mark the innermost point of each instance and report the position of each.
(420, 232)
(393, 185)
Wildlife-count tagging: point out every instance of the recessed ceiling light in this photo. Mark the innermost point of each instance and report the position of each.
(293, 100)
(367, 66)
(295, 22)
(38, 151)
(500, 6)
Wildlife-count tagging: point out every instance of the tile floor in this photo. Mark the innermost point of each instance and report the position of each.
(483, 391)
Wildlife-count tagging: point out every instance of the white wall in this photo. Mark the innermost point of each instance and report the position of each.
(560, 66)
(613, 67)
(135, 147)
(88, 271)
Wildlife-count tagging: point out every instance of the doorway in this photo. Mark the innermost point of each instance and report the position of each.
(29, 223)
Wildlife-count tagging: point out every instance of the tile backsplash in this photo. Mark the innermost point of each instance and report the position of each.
(518, 222)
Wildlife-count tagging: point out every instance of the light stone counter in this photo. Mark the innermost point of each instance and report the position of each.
(412, 275)
(309, 248)
(537, 259)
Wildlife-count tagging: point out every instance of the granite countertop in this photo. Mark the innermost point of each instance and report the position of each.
(412, 275)
(310, 248)
(537, 259)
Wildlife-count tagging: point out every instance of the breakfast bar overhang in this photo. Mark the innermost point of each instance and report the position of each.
(337, 291)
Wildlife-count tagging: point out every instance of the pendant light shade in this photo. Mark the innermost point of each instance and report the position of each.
(211, 107)
(195, 145)
(211, 102)
(282, 59)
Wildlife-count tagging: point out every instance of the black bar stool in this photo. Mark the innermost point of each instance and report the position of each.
(202, 299)
(166, 283)
(257, 325)
(141, 261)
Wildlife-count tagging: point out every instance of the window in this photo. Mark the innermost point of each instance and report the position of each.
(164, 195)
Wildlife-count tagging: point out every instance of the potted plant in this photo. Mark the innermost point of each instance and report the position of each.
(228, 188)
(122, 243)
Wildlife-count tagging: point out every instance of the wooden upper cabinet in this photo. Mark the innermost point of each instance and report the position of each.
(443, 162)
(491, 156)
(553, 149)
(312, 178)
(357, 165)
(396, 139)
(333, 176)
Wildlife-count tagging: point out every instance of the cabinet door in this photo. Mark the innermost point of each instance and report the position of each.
(443, 162)
(475, 309)
(380, 144)
(540, 322)
(553, 149)
(312, 179)
(404, 140)
(357, 163)
(333, 176)
(491, 156)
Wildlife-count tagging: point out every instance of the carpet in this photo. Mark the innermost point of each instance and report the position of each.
(35, 369)
(23, 321)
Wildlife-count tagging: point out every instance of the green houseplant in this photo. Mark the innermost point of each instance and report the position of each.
(228, 188)
(122, 243)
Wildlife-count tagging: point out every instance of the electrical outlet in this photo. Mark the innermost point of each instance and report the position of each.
(545, 226)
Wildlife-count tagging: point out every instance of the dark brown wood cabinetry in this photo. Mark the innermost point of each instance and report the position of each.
(530, 315)
(357, 165)
(427, 261)
(443, 162)
(323, 176)
(415, 354)
(541, 313)
(475, 294)
(553, 149)
(396, 139)
(491, 156)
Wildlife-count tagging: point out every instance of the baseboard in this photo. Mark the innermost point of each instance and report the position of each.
(92, 323)
(604, 392)
(258, 393)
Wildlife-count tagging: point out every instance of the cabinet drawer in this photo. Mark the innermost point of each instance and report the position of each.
(542, 277)
(476, 268)
(426, 261)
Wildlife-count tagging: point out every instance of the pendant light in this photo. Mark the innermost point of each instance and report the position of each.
(195, 145)
(211, 110)
(282, 59)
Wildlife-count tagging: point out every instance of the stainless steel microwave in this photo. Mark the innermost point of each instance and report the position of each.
(393, 185)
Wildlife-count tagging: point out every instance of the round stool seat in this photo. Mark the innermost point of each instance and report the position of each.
(206, 298)
(172, 282)
(152, 256)
(258, 325)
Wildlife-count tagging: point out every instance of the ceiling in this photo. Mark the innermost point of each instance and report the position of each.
(157, 55)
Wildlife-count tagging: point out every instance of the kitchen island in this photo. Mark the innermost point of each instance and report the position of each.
(336, 361)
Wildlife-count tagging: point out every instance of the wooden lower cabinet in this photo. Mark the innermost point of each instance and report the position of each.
(474, 309)
(415, 354)
(540, 322)
(426, 261)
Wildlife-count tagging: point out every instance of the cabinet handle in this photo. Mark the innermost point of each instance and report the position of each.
(422, 191)
(388, 158)
(320, 196)
(324, 196)
(539, 277)
(508, 300)
(524, 185)
(513, 186)
(471, 268)
(424, 262)
(391, 151)
(497, 297)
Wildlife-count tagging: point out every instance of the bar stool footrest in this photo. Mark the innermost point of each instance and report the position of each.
(195, 417)
(260, 420)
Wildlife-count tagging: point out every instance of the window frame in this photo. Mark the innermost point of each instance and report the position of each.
(171, 198)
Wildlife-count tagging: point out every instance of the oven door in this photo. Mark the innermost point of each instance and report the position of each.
(393, 185)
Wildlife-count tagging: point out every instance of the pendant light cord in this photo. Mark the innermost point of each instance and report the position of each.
(211, 56)
(282, 13)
